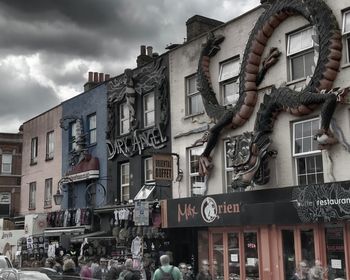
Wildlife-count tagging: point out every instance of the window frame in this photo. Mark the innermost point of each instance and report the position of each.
(50, 145)
(34, 144)
(92, 130)
(72, 136)
(48, 193)
(124, 184)
(32, 196)
(231, 78)
(346, 34)
(190, 95)
(194, 175)
(302, 52)
(9, 164)
(227, 169)
(345, 14)
(307, 155)
(123, 120)
(146, 111)
(150, 179)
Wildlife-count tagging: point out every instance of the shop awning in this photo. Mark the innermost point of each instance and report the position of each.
(65, 231)
(80, 238)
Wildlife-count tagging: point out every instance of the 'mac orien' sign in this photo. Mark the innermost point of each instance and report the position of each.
(163, 167)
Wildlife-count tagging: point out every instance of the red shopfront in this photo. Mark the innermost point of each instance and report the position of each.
(265, 234)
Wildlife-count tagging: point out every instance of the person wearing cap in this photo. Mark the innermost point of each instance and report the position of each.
(103, 268)
(184, 271)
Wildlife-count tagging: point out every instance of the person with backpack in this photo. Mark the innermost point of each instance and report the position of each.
(166, 271)
(129, 273)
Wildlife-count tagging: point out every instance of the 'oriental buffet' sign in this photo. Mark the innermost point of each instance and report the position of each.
(133, 143)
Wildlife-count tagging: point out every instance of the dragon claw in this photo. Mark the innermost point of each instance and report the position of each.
(205, 165)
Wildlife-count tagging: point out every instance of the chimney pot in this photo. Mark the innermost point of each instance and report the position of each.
(107, 76)
(95, 77)
(143, 50)
(90, 77)
(101, 77)
(149, 51)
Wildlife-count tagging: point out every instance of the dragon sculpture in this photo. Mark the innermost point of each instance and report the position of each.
(250, 152)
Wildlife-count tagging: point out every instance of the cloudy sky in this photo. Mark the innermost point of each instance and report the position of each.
(47, 47)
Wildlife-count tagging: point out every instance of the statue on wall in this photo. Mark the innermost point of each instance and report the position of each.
(252, 167)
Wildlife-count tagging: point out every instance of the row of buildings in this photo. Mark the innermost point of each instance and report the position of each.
(208, 151)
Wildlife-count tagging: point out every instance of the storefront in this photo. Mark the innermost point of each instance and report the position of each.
(264, 234)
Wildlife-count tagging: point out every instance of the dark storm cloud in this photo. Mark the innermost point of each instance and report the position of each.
(71, 36)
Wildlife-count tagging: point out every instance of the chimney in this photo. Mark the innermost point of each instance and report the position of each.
(107, 76)
(101, 77)
(95, 78)
(144, 58)
(197, 25)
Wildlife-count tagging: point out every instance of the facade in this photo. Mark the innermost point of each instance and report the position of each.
(10, 178)
(41, 162)
(265, 184)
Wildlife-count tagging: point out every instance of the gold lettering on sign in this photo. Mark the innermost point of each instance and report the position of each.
(187, 212)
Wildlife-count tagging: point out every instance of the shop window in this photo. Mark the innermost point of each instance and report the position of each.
(72, 136)
(48, 193)
(197, 182)
(346, 33)
(92, 129)
(148, 170)
(34, 151)
(6, 163)
(288, 253)
(218, 256)
(229, 71)
(50, 145)
(308, 158)
(194, 103)
(32, 195)
(307, 245)
(148, 110)
(125, 181)
(300, 54)
(124, 119)
(228, 169)
(335, 251)
(234, 258)
(251, 255)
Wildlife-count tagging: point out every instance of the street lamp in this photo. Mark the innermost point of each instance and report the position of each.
(58, 197)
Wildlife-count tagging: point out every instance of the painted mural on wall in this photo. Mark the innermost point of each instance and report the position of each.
(127, 89)
(252, 166)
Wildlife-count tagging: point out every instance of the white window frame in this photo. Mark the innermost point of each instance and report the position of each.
(301, 52)
(195, 95)
(125, 181)
(6, 163)
(73, 136)
(92, 121)
(34, 150)
(346, 34)
(124, 121)
(228, 74)
(32, 196)
(50, 145)
(194, 177)
(312, 152)
(148, 170)
(148, 111)
(48, 193)
(228, 169)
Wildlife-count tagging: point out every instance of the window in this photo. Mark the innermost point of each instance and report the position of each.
(32, 194)
(228, 81)
(50, 145)
(48, 193)
(34, 151)
(300, 54)
(194, 103)
(148, 169)
(124, 117)
(92, 128)
(308, 159)
(228, 169)
(197, 182)
(6, 164)
(72, 136)
(148, 110)
(124, 176)
(346, 33)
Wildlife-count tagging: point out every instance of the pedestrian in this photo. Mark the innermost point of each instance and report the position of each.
(103, 268)
(166, 271)
(69, 270)
(184, 271)
(129, 273)
(317, 272)
(85, 271)
(58, 266)
(302, 271)
(114, 271)
(204, 273)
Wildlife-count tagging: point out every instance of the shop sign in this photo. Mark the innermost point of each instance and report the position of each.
(5, 198)
(86, 175)
(141, 216)
(163, 167)
(6, 235)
